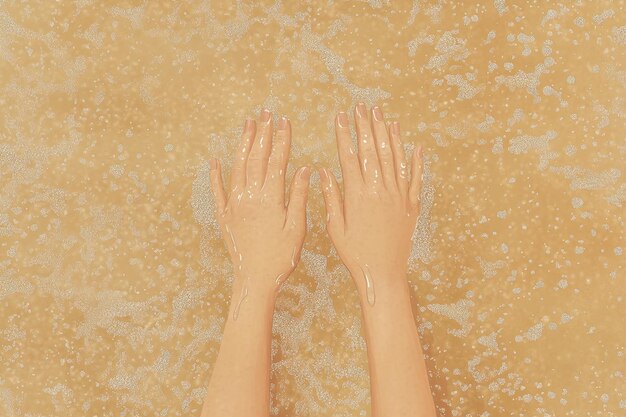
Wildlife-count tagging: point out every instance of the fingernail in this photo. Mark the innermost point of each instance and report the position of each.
(419, 151)
(282, 123)
(265, 115)
(396, 128)
(342, 119)
(323, 174)
(304, 172)
(361, 110)
(247, 125)
(378, 114)
(213, 163)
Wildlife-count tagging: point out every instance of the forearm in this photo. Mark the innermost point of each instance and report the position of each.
(398, 377)
(239, 384)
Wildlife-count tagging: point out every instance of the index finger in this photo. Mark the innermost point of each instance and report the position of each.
(238, 171)
(348, 159)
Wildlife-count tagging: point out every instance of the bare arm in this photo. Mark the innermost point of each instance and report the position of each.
(264, 239)
(371, 226)
(398, 378)
(239, 384)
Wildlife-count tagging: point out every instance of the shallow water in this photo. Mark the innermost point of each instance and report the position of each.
(114, 278)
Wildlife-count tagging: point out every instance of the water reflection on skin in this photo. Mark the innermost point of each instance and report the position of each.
(370, 222)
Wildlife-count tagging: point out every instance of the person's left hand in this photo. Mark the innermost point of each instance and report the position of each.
(263, 235)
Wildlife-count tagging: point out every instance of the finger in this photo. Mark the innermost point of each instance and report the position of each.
(277, 164)
(402, 177)
(383, 148)
(416, 176)
(217, 185)
(332, 201)
(299, 189)
(260, 152)
(370, 168)
(238, 171)
(348, 158)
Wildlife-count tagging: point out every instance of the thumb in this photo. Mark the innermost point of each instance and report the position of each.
(217, 185)
(332, 201)
(415, 185)
(298, 192)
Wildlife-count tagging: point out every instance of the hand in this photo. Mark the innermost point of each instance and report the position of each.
(263, 236)
(372, 226)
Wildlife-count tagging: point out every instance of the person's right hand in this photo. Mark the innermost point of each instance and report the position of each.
(372, 226)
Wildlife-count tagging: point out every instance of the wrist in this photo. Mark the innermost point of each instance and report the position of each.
(259, 285)
(250, 301)
(377, 285)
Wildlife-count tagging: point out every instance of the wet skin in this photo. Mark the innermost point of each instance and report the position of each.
(370, 223)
